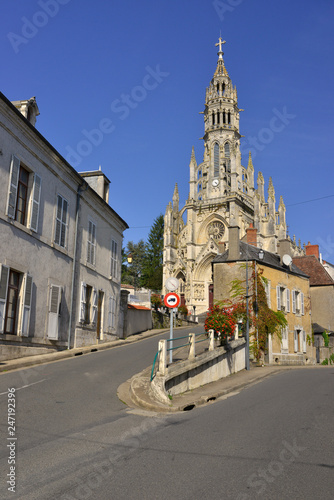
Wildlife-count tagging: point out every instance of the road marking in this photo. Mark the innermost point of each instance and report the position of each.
(24, 386)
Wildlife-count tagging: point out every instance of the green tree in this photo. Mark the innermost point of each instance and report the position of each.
(132, 272)
(152, 263)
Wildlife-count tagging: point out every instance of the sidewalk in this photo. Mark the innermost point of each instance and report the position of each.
(27, 361)
(136, 392)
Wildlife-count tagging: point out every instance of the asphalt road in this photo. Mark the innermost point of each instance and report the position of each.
(76, 440)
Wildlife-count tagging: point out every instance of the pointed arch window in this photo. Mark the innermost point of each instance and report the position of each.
(216, 159)
(229, 118)
(227, 150)
(213, 118)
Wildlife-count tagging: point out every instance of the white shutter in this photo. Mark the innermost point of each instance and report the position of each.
(82, 312)
(268, 293)
(94, 306)
(295, 338)
(36, 196)
(287, 291)
(294, 301)
(302, 303)
(4, 276)
(54, 304)
(278, 293)
(12, 189)
(113, 311)
(26, 305)
(304, 340)
(285, 338)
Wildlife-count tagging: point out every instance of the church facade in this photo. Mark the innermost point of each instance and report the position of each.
(222, 193)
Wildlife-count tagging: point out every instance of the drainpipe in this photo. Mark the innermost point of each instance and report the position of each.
(79, 191)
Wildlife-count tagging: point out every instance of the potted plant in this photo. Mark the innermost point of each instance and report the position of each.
(220, 319)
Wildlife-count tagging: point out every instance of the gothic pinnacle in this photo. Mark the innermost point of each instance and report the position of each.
(250, 161)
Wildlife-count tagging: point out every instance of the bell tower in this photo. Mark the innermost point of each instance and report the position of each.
(221, 135)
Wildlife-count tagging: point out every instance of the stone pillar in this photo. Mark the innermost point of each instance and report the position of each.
(123, 314)
(212, 340)
(192, 340)
(162, 357)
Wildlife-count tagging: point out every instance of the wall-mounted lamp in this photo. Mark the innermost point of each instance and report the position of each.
(261, 254)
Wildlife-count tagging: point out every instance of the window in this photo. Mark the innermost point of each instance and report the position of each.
(283, 298)
(297, 302)
(88, 304)
(267, 287)
(216, 160)
(15, 301)
(114, 260)
(199, 174)
(227, 150)
(61, 221)
(54, 311)
(19, 195)
(91, 243)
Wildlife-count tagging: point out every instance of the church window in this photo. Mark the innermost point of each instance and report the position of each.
(218, 88)
(199, 187)
(218, 117)
(199, 174)
(227, 150)
(216, 159)
(228, 117)
(223, 86)
(224, 117)
(213, 118)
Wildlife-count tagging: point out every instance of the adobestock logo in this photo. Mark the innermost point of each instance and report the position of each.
(223, 7)
(30, 28)
(121, 107)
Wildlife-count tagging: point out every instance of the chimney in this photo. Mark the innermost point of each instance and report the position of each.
(285, 248)
(312, 250)
(251, 232)
(233, 243)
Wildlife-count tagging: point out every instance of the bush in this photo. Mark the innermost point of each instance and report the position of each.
(156, 301)
(183, 310)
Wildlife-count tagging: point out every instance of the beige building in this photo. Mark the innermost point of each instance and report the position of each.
(222, 193)
(60, 246)
(287, 290)
(321, 286)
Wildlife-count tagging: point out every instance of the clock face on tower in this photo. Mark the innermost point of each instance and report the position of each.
(215, 182)
(216, 230)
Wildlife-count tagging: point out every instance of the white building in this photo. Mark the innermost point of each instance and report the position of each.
(60, 245)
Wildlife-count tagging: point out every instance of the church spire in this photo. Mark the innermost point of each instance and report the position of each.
(176, 199)
(220, 70)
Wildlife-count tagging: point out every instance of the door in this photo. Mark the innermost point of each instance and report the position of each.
(99, 325)
(210, 296)
(12, 303)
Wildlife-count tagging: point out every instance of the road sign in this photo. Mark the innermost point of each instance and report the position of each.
(172, 284)
(172, 300)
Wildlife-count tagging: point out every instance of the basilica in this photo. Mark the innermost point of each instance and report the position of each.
(222, 193)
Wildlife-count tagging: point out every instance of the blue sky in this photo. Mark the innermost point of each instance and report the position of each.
(121, 83)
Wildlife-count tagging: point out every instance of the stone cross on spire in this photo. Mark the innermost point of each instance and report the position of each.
(220, 43)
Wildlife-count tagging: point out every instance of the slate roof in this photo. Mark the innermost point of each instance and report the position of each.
(251, 253)
(316, 271)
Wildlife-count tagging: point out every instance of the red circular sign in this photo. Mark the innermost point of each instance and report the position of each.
(172, 299)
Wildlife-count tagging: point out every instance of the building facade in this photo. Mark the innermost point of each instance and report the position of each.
(222, 193)
(287, 290)
(60, 247)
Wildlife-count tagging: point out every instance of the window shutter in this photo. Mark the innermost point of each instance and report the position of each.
(82, 312)
(13, 183)
(54, 310)
(278, 298)
(113, 312)
(26, 306)
(268, 293)
(295, 338)
(302, 303)
(94, 307)
(110, 312)
(304, 341)
(285, 338)
(287, 300)
(4, 275)
(36, 196)
(294, 301)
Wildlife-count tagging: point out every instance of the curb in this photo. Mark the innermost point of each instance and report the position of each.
(38, 359)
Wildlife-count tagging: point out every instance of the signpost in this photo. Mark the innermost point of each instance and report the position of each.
(171, 300)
